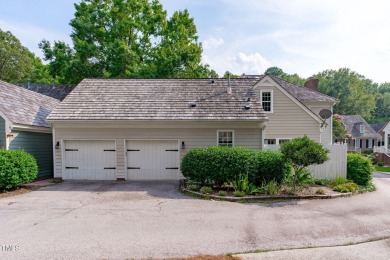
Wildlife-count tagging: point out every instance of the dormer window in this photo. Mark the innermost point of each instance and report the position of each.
(362, 129)
(267, 100)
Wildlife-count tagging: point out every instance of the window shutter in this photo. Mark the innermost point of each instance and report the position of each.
(361, 143)
(367, 143)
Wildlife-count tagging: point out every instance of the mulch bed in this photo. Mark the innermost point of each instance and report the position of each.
(16, 191)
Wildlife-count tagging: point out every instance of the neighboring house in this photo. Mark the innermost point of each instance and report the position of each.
(379, 128)
(360, 135)
(139, 129)
(23, 124)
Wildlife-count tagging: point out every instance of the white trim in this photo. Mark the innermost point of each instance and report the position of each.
(35, 129)
(370, 141)
(54, 152)
(296, 101)
(218, 131)
(272, 99)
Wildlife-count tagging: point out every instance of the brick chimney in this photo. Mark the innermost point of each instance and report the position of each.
(312, 83)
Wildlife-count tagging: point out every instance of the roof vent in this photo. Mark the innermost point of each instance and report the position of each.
(247, 107)
(192, 104)
(249, 99)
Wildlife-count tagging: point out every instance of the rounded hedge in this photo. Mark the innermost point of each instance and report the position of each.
(16, 167)
(359, 169)
(224, 164)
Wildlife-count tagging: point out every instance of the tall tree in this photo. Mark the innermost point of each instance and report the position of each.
(18, 64)
(278, 72)
(355, 92)
(127, 39)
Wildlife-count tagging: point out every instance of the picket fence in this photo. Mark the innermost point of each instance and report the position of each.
(335, 166)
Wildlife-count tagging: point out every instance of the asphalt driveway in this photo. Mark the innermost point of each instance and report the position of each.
(116, 220)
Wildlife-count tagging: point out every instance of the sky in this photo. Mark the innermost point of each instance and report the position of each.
(248, 36)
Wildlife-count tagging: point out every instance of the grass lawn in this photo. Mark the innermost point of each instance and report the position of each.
(382, 169)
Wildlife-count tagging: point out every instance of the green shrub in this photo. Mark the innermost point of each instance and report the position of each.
(338, 180)
(367, 152)
(272, 188)
(271, 165)
(194, 187)
(346, 187)
(206, 190)
(359, 169)
(222, 193)
(381, 164)
(320, 192)
(238, 193)
(217, 164)
(16, 167)
(322, 182)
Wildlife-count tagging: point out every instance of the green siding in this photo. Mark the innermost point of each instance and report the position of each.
(2, 133)
(37, 144)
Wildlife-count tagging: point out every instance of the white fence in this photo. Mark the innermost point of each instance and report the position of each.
(335, 166)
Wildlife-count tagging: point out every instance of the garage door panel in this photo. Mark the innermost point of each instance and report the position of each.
(93, 160)
(156, 159)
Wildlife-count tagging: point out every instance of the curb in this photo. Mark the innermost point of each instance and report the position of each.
(264, 198)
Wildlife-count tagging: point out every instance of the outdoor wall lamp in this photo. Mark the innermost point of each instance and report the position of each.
(57, 145)
(183, 145)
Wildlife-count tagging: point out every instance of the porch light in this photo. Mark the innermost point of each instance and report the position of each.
(183, 146)
(57, 145)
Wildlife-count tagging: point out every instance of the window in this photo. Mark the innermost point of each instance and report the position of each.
(266, 100)
(225, 138)
(269, 141)
(283, 141)
(357, 143)
(369, 143)
(362, 129)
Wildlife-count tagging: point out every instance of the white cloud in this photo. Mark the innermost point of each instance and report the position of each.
(212, 43)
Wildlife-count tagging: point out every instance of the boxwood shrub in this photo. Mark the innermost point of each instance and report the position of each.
(359, 169)
(224, 164)
(16, 167)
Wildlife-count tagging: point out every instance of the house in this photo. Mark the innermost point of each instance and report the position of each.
(361, 136)
(379, 129)
(23, 124)
(139, 129)
(382, 153)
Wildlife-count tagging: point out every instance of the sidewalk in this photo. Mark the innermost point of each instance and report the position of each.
(371, 250)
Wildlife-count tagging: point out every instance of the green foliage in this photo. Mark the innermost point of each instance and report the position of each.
(293, 78)
(222, 193)
(272, 188)
(253, 189)
(206, 190)
(232, 76)
(320, 192)
(339, 131)
(380, 164)
(17, 63)
(217, 164)
(194, 187)
(271, 165)
(127, 39)
(359, 169)
(382, 169)
(368, 152)
(238, 193)
(322, 182)
(16, 167)
(355, 92)
(346, 187)
(241, 183)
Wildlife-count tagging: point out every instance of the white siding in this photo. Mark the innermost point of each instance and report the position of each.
(192, 137)
(288, 119)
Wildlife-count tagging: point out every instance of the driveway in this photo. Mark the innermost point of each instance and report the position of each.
(116, 220)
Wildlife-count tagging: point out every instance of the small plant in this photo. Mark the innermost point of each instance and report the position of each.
(241, 183)
(252, 189)
(272, 188)
(238, 193)
(337, 181)
(206, 190)
(322, 182)
(381, 164)
(222, 193)
(194, 187)
(346, 187)
(320, 192)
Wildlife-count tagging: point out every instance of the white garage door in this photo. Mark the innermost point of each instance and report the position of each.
(152, 160)
(90, 160)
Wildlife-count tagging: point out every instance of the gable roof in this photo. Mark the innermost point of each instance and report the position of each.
(25, 107)
(378, 127)
(55, 91)
(352, 125)
(160, 99)
(300, 93)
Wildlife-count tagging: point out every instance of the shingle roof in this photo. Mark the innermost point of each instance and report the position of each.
(303, 94)
(55, 91)
(352, 124)
(160, 99)
(378, 127)
(25, 107)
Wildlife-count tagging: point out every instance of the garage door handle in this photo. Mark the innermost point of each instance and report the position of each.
(71, 167)
(110, 168)
(134, 168)
(172, 150)
(107, 150)
(71, 150)
(172, 168)
(131, 150)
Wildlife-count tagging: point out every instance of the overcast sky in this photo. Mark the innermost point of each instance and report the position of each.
(248, 36)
